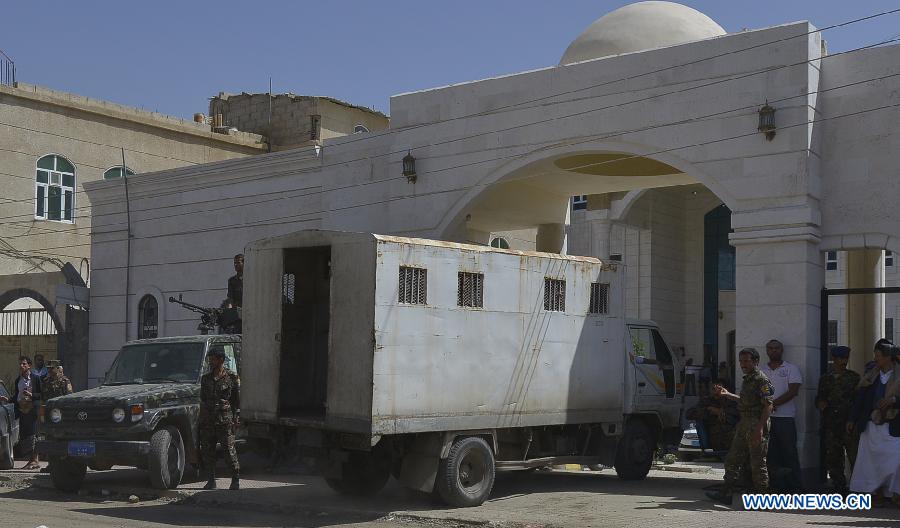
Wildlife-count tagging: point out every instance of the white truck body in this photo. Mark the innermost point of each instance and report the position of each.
(369, 337)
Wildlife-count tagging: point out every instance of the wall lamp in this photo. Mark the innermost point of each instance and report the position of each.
(767, 121)
(409, 168)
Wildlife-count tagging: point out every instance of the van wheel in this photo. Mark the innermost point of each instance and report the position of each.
(634, 454)
(166, 460)
(466, 477)
(67, 474)
(362, 474)
(6, 452)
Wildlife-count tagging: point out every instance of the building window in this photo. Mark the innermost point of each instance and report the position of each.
(615, 256)
(360, 129)
(579, 202)
(554, 295)
(832, 333)
(889, 328)
(315, 127)
(831, 260)
(113, 173)
(413, 285)
(599, 298)
(499, 243)
(888, 258)
(148, 318)
(55, 189)
(470, 291)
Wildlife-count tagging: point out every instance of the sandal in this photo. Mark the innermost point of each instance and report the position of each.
(31, 466)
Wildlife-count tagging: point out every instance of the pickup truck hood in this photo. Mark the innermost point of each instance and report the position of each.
(150, 394)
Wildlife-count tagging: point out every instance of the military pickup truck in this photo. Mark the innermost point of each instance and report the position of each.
(145, 414)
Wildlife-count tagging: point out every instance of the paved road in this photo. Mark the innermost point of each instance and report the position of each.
(559, 499)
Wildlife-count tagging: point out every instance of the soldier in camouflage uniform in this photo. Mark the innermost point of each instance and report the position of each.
(834, 400)
(55, 384)
(220, 407)
(751, 438)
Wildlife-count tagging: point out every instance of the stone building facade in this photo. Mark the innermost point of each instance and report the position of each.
(291, 121)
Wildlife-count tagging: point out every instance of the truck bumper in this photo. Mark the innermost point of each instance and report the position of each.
(120, 452)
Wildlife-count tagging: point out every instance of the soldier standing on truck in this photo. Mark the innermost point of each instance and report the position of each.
(220, 408)
(236, 283)
(834, 400)
(751, 438)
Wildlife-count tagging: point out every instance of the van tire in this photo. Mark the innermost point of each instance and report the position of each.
(634, 454)
(166, 460)
(362, 474)
(67, 474)
(6, 452)
(466, 477)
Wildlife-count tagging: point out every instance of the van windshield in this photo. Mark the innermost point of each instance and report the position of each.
(156, 363)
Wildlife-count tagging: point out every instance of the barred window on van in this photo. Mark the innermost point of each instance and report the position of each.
(599, 298)
(470, 292)
(413, 285)
(554, 295)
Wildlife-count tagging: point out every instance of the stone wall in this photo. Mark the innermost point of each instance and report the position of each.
(287, 119)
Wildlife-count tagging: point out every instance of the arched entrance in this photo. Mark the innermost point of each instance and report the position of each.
(647, 212)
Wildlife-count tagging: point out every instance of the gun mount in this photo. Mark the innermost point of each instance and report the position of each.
(224, 320)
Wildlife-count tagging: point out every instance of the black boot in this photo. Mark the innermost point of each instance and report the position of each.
(722, 496)
(235, 481)
(211, 483)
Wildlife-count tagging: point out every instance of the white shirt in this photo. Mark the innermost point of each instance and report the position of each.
(24, 385)
(781, 378)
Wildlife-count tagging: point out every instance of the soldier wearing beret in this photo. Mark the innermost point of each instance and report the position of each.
(56, 383)
(834, 400)
(751, 438)
(220, 408)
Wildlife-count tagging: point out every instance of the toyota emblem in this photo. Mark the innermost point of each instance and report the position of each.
(82, 416)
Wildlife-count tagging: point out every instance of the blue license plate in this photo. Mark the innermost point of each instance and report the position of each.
(82, 449)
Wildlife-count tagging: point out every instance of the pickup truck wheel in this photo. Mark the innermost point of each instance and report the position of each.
(6, 452)
(362, 474)
(101, 466)
(466, 477)
(166, 460)
(67, 474)
(634, 454)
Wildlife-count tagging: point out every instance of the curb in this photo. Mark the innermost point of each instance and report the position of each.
(682, 469)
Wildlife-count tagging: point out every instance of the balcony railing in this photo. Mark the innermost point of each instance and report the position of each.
(7, 70)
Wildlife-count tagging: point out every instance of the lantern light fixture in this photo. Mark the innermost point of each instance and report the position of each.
(767, 121)
(409, 167)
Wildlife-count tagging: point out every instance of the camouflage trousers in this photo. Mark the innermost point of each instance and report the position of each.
(223, 434)
(837, 441)
(743, 454)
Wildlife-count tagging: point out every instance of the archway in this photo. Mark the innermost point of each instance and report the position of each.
(534, 190)
(644, 211)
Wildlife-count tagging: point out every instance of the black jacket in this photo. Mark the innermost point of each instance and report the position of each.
(863, 405)
(35, 391)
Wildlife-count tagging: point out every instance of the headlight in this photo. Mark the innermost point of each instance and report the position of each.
(55, 416)
(137, 412)
(118, 415)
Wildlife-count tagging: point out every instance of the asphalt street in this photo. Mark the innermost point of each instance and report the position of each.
(558, 499)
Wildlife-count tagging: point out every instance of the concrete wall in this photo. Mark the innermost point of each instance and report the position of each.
(859, 153)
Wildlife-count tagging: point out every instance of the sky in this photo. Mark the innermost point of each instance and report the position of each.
(170, 57)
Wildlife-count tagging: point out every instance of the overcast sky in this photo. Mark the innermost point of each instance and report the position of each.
(172, 56)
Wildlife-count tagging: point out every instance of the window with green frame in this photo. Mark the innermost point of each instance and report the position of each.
(54, 189)
(113, 173)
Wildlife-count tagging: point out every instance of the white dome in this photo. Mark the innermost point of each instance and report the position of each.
(638, 27)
